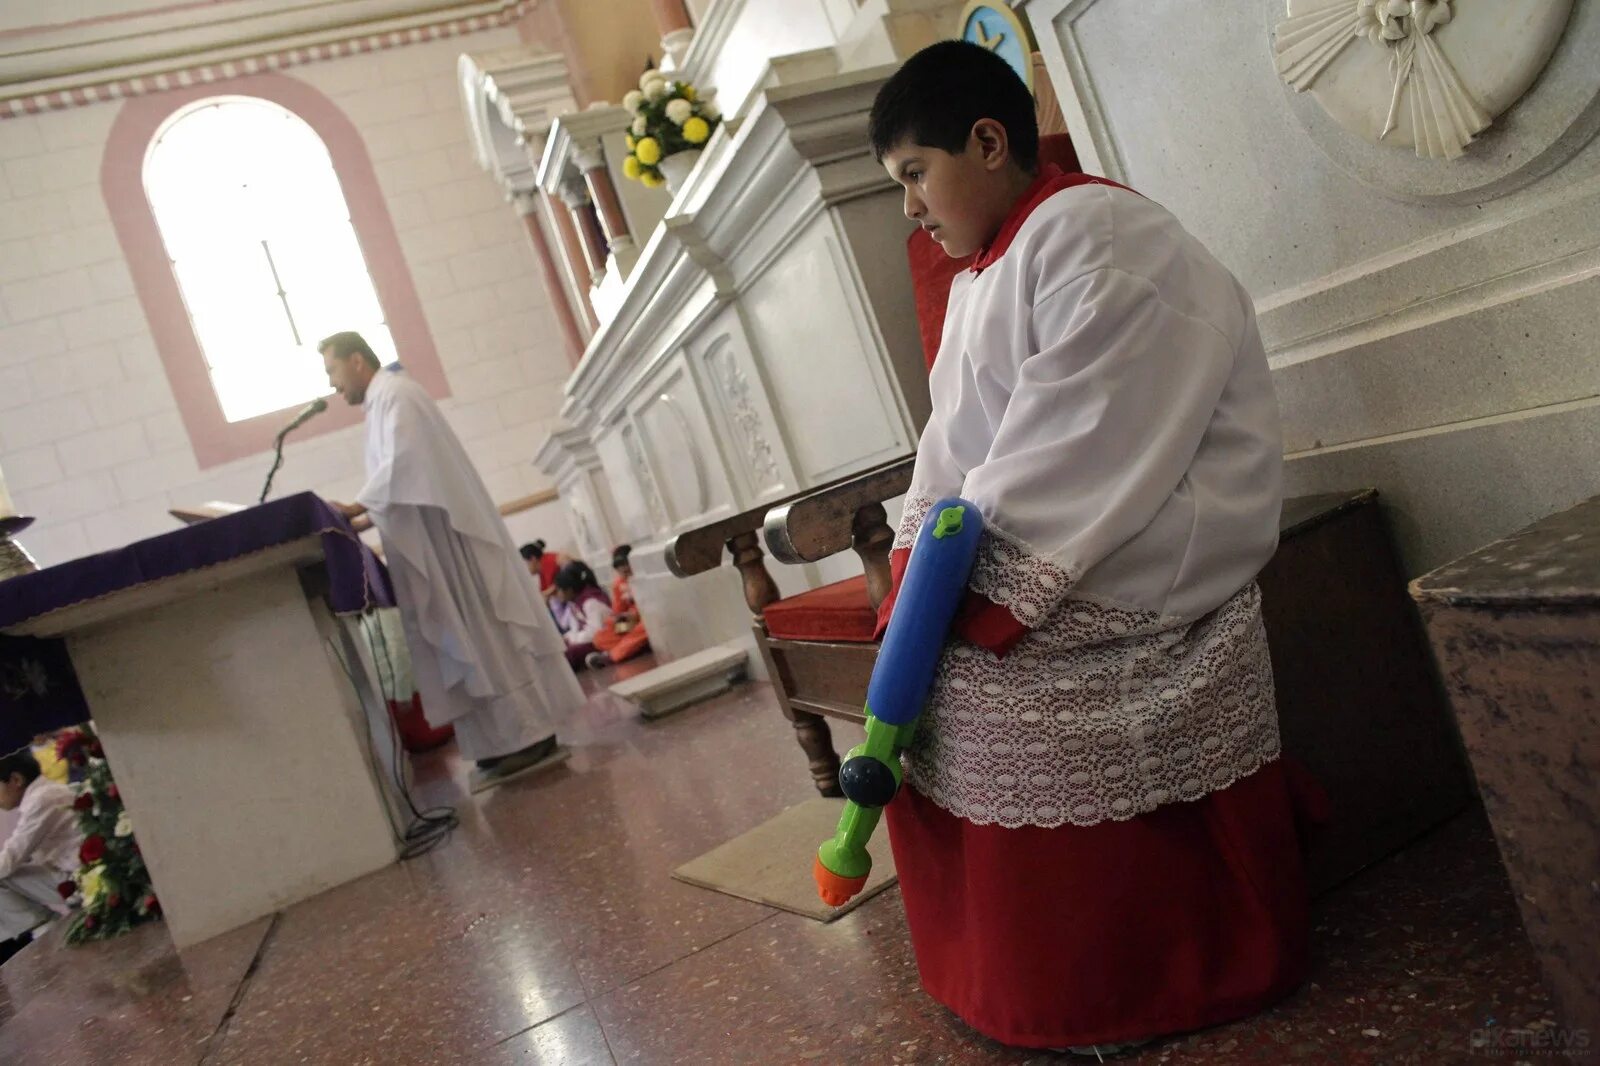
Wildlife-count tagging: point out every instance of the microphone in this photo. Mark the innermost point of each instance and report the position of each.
(308, 412)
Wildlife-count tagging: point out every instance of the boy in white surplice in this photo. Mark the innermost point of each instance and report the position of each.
(42, 851)
(1096, 844)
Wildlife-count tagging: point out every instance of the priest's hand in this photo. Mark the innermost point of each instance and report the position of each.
(356, 513)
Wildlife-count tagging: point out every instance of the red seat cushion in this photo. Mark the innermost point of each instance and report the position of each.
(840, 611)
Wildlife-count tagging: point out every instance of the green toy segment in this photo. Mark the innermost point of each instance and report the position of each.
(846, 854)
(949, 522)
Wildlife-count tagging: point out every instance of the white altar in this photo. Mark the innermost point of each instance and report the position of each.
(761, 338)
(246, 732)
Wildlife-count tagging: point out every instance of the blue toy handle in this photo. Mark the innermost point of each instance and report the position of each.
(935, 579)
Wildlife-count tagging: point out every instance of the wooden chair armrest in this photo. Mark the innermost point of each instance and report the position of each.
(695, 551)
(826, 521)
(698, 550)
(865, 529)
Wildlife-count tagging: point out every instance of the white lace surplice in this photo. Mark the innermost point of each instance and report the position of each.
(1102, 395)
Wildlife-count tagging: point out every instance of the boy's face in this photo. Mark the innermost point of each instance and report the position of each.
(11, 790)
(963, 199)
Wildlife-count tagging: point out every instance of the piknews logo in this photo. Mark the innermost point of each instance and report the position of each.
(1542, 1039)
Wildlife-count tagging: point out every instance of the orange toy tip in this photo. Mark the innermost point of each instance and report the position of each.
(835, 891)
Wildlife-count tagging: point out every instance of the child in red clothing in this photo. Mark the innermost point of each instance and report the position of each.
(543, 565)
(624, 636)
(1095, 839)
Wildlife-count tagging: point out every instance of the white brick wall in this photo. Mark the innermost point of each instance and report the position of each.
(90, 437)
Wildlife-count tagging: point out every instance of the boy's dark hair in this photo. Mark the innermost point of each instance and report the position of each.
(575, 577)
(939, 93)
(19, 762)
(619, 555)
(347, 344)
(533, 551)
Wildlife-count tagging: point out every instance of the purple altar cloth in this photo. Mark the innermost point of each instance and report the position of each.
(38, 690)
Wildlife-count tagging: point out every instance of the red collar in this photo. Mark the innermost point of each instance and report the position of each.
(1051, 180)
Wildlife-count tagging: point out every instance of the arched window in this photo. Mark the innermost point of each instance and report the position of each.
(228, 165)
(259, 237)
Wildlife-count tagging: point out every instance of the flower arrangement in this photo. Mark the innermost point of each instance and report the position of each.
(668, 117)
(112, 885)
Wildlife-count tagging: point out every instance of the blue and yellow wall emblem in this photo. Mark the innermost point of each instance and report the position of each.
(992, 24)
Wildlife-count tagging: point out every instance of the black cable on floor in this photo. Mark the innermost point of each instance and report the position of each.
(428, 828)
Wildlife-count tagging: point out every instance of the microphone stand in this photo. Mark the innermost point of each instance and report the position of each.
(316, 407)
(277, 461)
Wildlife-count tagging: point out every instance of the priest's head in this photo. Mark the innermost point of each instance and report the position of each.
(955, 127)
(351, 365)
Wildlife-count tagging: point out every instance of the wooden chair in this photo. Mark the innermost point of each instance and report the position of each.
(819, 650)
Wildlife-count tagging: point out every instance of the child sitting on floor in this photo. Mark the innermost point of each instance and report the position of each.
(40, 854)
(1095, 839)
(582, 609)
(624, 636)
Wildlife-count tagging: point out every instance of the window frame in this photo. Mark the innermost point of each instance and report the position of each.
(212, 437)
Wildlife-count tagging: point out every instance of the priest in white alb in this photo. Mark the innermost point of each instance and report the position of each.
(485, 653)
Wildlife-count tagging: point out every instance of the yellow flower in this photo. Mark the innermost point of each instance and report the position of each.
(652, 180)
(630, 167)
(688, 91)
(51, 765)
(648, 150)
(628, 138)
(91, 883)
(696, 130)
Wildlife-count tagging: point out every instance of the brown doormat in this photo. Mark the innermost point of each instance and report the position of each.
(771, 863)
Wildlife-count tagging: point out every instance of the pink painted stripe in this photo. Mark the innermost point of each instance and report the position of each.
(205, 74)
(96, 20)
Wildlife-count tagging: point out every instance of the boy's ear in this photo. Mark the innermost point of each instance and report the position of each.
(991, 142)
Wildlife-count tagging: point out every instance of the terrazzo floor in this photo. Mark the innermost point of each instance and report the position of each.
(547, 930)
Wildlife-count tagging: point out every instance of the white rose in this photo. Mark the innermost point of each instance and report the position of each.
(124, 825)
(651, 74)
(632, 99)
(655, 89)
(710, 111)
(679, 111)
(639, 126)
